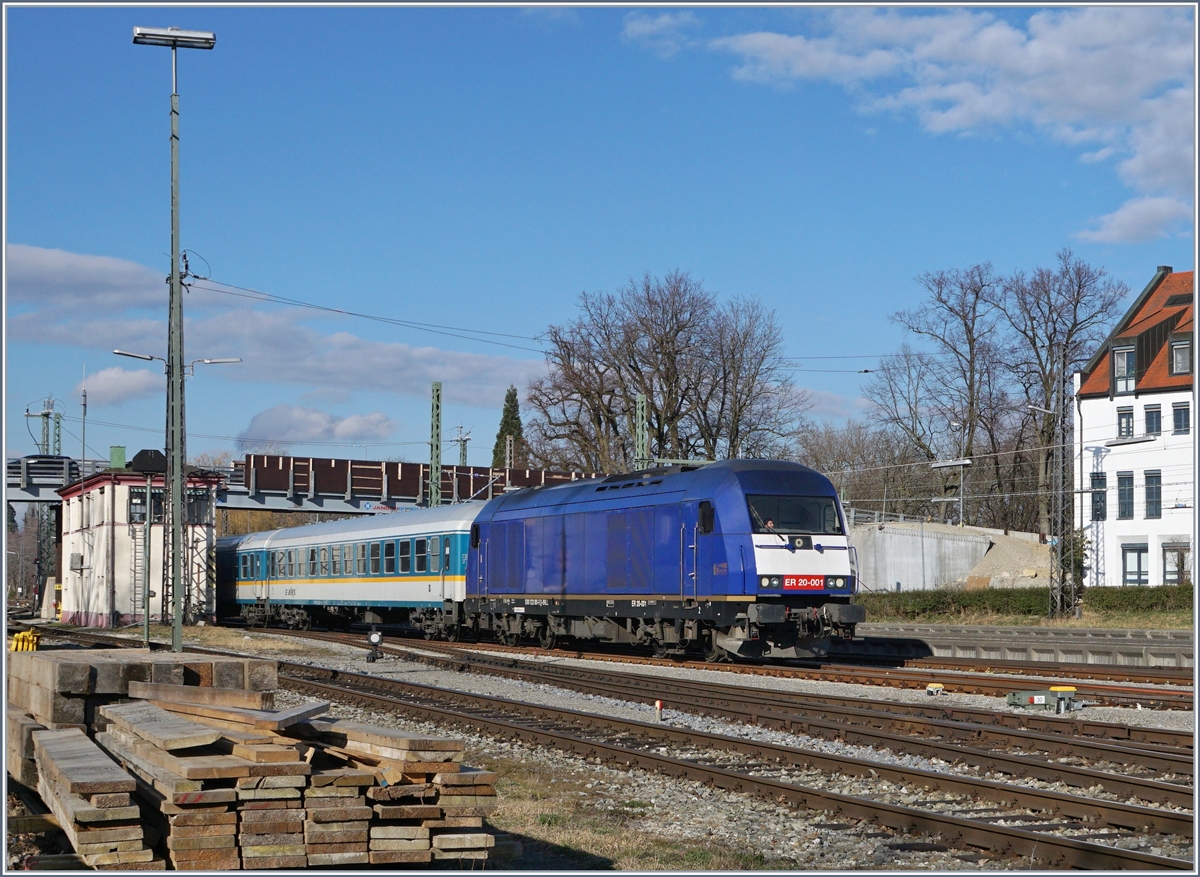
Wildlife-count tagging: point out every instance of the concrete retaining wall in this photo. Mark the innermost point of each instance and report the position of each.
(915, 556)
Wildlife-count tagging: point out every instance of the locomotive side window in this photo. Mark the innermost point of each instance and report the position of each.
(474, 535)
(422, 556)
(708, 517)
(435, 554)
(389, 557)
(362, 558)
(374, 558)
(794, 514)
(405, 556)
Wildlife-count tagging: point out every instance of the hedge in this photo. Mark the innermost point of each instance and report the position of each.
(918, 605)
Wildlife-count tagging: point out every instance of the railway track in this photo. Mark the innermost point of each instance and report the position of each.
(991, 684)
(1012, 744)
(1050, 827)
(1046, 827)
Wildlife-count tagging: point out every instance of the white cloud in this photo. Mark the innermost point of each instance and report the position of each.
(834, 405)
(1115, 79)
(293, 424)
(96, 284)
(1140, 219)
(275, 344)
(662, 34)
(115, 385)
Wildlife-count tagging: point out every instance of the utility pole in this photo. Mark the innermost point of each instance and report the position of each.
(461, 440)
(435, 447)
(641, 434)
(83, 430)
(176, 477)
(508, 451)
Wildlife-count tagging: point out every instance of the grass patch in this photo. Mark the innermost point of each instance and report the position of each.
(561, 827)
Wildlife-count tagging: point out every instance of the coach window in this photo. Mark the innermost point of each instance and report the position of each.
(435, 554)
(421, 551)
(362, 558)
(245, 566)
(324, 562)
(374, 558)
(389, 558)
(348, 560)
(312, 563)
(405, 556)
(335, 562)
(290, 564)
(273, 566)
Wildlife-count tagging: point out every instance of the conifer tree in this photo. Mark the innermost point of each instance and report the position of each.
(510, 424)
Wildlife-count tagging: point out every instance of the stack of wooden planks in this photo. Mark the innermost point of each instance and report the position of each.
(19, 728)
(425, 804)
(63, 688)
(226, 781)
(90, 797)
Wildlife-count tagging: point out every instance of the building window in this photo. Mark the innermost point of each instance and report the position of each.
(1124, 422)
(1153, 420)
(1183, 418)
(1099, 496)
(1154, 494)
(1123, 369)
(1181, 357)
(1124, 496)
(1134, 565)
(1177, 564)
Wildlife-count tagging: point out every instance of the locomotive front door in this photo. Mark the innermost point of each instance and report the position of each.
(688, 549)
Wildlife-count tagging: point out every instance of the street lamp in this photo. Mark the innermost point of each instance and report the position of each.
(176, 39)
(189, 370)
(961, 464)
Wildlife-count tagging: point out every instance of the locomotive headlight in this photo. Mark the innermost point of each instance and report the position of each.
(774, 581)
(766, 582)
(839, 582)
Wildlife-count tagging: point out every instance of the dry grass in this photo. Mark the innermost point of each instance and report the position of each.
(562, 829)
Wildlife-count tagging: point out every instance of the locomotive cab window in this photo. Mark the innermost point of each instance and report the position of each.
(435, 554)
(405, 556)
(794, 514)
(474, 535)
(422, 555)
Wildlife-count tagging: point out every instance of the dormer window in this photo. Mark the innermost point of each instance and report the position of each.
(1181, 357)
(1123, 369)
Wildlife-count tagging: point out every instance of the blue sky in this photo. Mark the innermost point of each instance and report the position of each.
(479, 168)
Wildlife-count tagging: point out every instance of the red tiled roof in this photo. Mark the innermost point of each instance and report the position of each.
(1149, 311)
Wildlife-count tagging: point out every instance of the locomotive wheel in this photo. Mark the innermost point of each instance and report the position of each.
(660, 649)
(453, 633)
(712, 651)
(510, 639)
(547, 638)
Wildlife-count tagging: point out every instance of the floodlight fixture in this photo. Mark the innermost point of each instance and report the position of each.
(1041, 409)
(174, 37)
(222, 359)
(947, 464)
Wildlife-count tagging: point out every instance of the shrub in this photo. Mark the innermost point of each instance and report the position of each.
(919, 605)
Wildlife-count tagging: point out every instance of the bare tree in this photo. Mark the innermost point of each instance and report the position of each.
(1057, 317)
(712, 377)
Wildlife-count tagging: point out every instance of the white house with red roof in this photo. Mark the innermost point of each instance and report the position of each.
(1135, 444)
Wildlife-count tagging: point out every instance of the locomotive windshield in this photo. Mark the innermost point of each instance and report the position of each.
(794, 514)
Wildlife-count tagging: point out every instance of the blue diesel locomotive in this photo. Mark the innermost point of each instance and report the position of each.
(742, 557)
